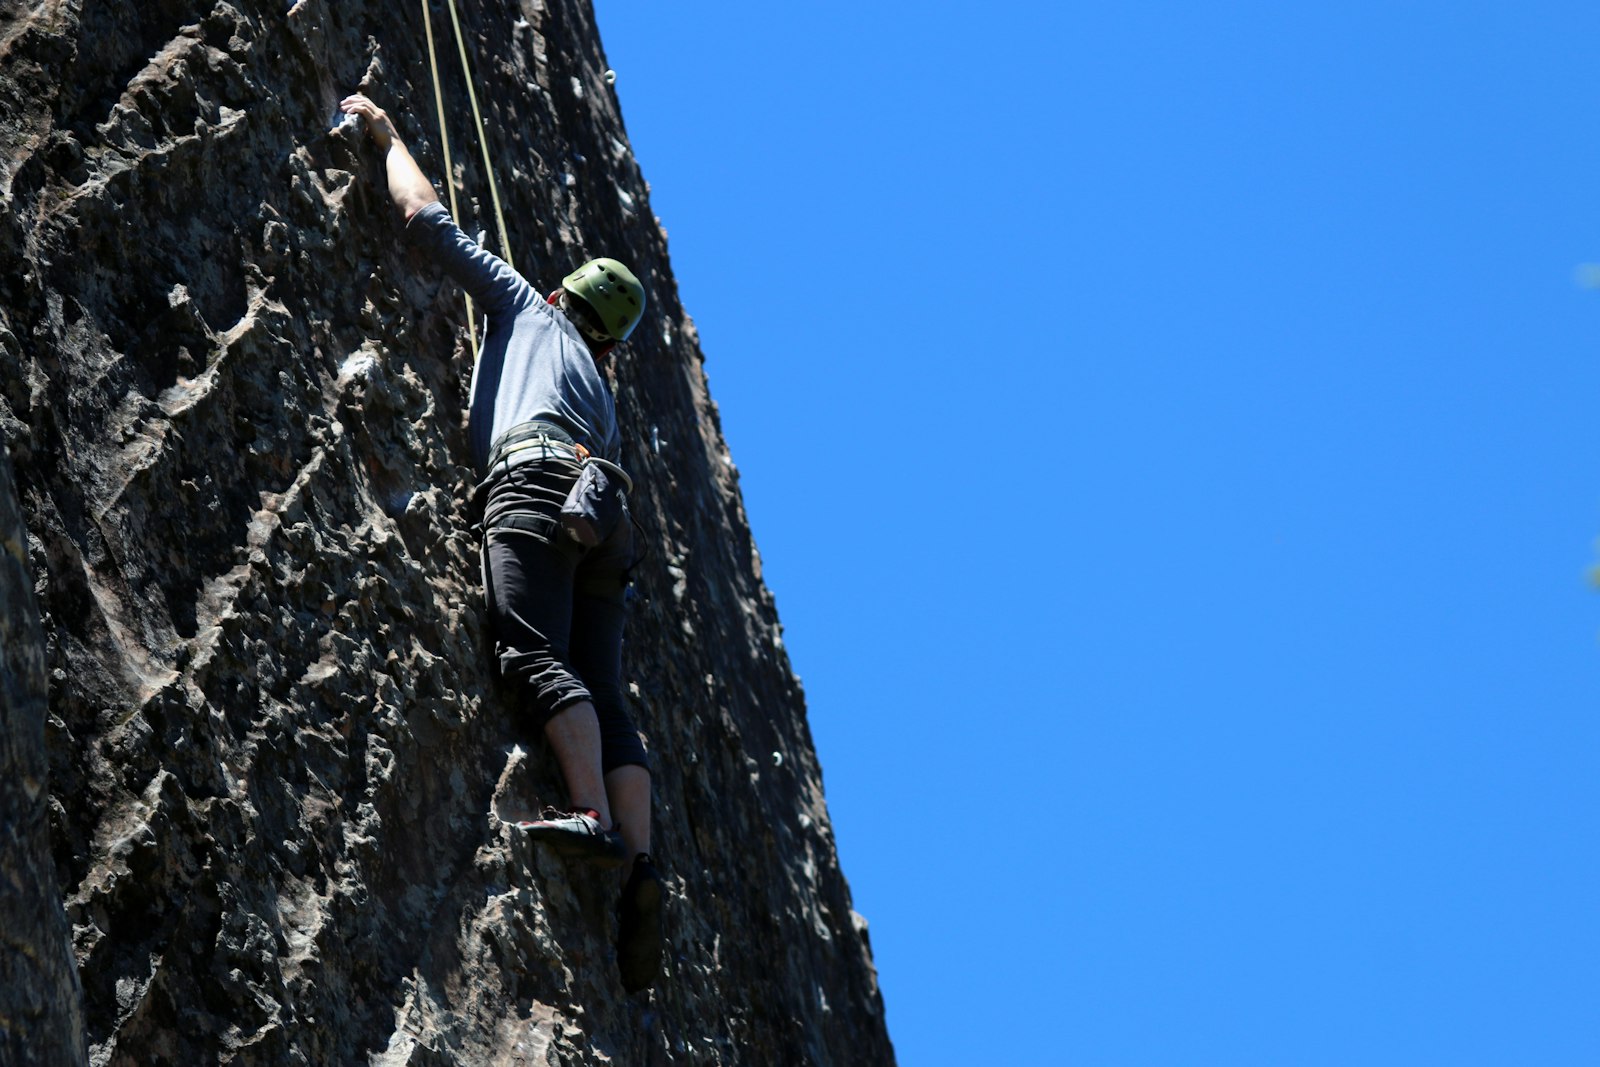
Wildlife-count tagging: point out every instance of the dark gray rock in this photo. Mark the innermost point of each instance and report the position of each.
(235, 405)
(41, 1022)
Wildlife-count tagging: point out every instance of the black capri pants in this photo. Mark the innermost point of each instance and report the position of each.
(556, 608)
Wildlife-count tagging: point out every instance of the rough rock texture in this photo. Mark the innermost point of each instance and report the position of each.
(234, 402)
(41, 1024)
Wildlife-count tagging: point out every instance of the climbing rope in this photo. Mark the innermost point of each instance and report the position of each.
(449, 171)
(483, 144)
(483, 141)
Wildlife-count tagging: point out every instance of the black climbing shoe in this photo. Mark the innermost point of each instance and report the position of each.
(576, 833)
(639, 927)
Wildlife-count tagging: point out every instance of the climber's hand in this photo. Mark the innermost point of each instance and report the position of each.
(409, 188)
(378, 123)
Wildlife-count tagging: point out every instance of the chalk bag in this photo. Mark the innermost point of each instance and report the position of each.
(596, 502)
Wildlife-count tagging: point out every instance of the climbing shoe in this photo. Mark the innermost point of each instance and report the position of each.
(639, 926)
(576, 833)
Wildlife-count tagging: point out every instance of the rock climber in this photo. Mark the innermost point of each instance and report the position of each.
(541, 410)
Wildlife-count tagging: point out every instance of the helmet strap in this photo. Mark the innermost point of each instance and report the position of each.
(597, 337)
(599, 347)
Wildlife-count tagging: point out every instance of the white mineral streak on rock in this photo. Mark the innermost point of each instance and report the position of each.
(358, 365)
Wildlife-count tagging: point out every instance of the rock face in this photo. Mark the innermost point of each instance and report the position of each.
(234, 402)
(41, 1023)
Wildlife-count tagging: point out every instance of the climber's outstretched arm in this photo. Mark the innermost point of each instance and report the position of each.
(409, 188)
(487, 278)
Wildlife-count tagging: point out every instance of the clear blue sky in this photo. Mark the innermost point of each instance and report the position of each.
(1172, 433)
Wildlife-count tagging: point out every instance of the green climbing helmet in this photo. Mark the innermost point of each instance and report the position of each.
(612, 291)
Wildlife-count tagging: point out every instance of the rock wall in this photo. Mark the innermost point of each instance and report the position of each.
(41, 1022)
(234, 402)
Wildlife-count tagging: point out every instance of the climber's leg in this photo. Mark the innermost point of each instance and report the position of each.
(574, 736)
(528, 581)
(598, 616)
(628, 788)
(639, 926)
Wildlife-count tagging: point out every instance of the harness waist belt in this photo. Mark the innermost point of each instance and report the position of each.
(541, 440)
(518, 522)
(526, 451)
(533, 440)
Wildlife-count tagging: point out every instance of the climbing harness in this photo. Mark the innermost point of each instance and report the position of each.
(596, 501)
(512, 446)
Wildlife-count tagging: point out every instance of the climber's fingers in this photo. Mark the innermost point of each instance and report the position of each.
(378, 123)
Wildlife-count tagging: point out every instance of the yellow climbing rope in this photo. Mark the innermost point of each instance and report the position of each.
(483, 144)
(449, 171)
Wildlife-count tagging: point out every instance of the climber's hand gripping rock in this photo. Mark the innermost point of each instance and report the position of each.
(409, 188)
(378, 122)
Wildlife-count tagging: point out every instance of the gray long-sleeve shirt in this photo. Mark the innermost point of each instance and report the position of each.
(532, 363)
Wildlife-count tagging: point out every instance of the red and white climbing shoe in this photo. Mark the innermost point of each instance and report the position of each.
(576, 833)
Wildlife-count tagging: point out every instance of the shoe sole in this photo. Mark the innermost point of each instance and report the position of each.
(576, 845)
(640, 967)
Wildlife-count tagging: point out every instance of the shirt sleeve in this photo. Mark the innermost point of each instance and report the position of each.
(486, 277)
